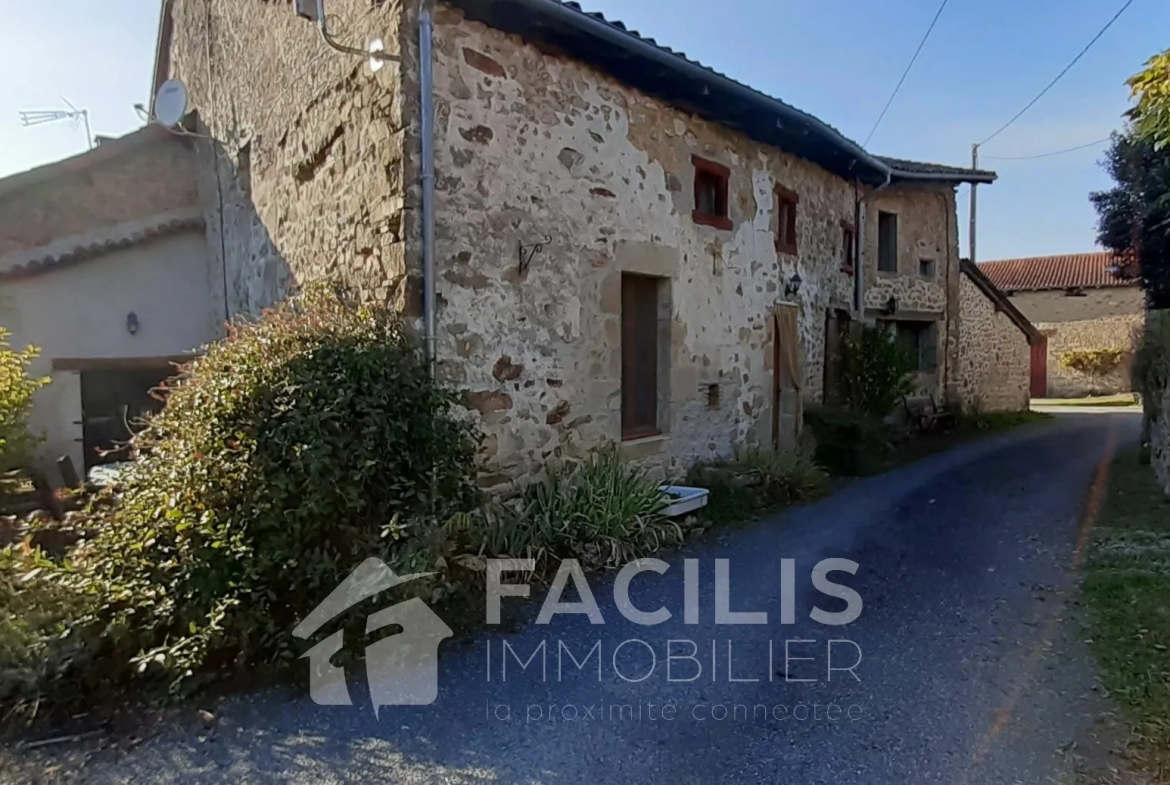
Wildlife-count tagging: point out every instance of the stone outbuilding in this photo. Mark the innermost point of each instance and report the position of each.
(1081, 303)
(104, 267)
(995, 355)
(615, 243)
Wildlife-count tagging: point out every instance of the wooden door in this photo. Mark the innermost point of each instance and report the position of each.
(785, 378)
(1039, 386)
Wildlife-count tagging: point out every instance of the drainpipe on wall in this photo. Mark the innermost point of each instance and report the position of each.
(426, 131)
(862, 257)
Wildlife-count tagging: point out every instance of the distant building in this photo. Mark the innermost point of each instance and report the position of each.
(1081, 303)
(104, 267)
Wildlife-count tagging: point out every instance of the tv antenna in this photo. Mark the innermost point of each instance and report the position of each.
(41, 117)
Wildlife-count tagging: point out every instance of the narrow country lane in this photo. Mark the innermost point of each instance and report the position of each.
(967, 672)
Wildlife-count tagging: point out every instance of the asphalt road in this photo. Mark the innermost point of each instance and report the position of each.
(969, 669)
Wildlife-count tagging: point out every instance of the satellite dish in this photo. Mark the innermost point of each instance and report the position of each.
(170, 105)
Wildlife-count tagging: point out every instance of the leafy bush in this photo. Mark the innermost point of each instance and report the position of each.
(16, 390)
(40, 641)
(1093, 362)
(877, 371)
(287, 454)
(849, 443)
(603, 512)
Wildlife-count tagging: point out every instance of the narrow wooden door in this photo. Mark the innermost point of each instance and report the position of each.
(1040, 368)
(785, 381)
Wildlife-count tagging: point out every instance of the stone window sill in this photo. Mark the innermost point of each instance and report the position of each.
(643, 436)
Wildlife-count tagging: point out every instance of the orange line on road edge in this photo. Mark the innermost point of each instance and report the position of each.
(1003, 715)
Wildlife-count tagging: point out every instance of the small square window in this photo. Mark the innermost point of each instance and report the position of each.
(926, 268)
(786, 202)
(711, 186)
(848, 247)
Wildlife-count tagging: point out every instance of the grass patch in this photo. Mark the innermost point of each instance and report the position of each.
(1127, 595)
(1121, 399)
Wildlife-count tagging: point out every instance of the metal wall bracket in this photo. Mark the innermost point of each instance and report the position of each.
(528, 252)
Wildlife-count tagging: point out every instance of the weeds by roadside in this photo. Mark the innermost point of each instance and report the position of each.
(1127, 595)
(753, 482)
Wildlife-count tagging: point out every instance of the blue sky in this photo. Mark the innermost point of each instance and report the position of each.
(838, 59)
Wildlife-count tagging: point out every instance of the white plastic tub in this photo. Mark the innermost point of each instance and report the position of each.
(683, 499)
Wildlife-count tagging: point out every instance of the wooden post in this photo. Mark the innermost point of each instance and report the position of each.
(68, 474)
(47, 496)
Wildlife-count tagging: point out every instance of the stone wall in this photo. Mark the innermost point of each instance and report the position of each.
(1111, 332)
(534, 147)
(1058, 306)
(308, 155)
(994, 355)
(317, 171)
(1160, 443)
(927, 229)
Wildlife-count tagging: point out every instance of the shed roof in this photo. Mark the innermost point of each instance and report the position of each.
(1045, 273)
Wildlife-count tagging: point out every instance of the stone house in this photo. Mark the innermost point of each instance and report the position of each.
(104, 267)
(1080, 302)
(603, 240)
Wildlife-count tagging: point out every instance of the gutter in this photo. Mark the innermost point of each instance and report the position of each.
(972, 177)
(426, 131)
(579, 20)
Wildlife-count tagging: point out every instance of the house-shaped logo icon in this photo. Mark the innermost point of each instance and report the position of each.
(403, 669)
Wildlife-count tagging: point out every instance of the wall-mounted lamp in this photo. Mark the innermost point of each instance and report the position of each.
(792, 288)
(891, 307)
(132, 323)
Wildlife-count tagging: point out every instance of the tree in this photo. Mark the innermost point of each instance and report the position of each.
(1150, 90)
(1134, 216)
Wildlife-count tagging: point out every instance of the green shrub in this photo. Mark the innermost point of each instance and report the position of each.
(286, 455)
(40, 639)
(602, 512)
(754, 480)
(17, 441)
(785, 478)
(849, 443)
(877, 371)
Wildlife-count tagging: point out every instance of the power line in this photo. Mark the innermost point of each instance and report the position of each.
(1059, 76)
(906, 73)
(1046, 155)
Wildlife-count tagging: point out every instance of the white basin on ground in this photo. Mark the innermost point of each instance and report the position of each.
(683, 499)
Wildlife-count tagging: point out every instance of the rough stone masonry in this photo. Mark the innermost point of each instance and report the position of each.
(316, 171)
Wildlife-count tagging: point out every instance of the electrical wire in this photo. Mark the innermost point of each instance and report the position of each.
(1059, 76)
(906, 73)
(1046, 155)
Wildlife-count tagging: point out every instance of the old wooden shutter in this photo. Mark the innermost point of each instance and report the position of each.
(639, 355)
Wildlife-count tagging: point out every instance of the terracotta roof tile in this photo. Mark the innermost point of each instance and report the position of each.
(55, 261)
(1041, 273)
